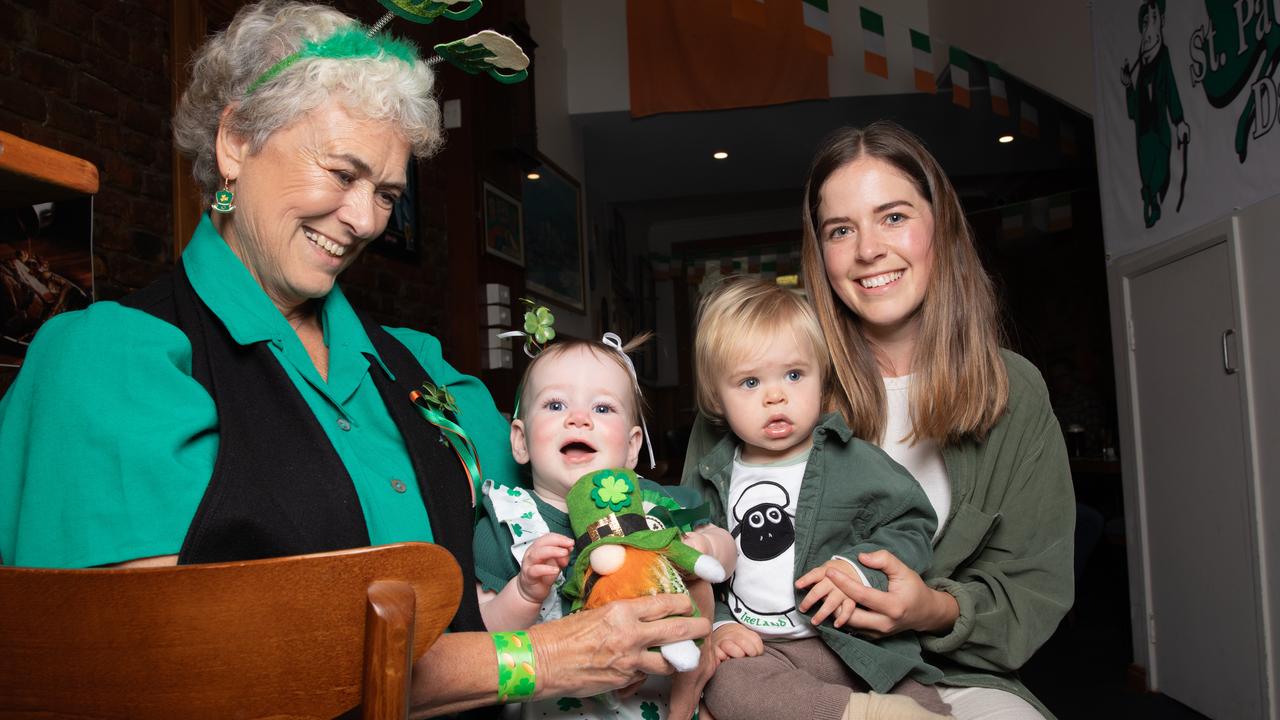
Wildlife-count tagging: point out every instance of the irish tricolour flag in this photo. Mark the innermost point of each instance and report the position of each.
(873, 54)
(817, 26)
(922, 58)
(1028, 120)
(959, 77)
(999, 94)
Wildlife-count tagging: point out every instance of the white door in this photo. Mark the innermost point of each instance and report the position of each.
(1200, 523)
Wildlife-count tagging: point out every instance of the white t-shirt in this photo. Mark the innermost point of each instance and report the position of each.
(761, 517)
(923, 459)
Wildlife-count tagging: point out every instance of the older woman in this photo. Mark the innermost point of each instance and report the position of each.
(240, 408)
(910, 318)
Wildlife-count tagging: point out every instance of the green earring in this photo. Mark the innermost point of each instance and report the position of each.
(223, 198)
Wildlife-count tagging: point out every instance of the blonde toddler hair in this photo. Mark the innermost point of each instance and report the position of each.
(733, 322)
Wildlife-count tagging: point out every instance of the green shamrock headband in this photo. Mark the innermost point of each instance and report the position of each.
(345, 43)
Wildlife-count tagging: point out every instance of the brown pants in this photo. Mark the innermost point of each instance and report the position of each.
(798, 678)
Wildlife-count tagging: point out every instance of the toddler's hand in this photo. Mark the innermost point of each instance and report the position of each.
(543, 561)
(734, 640)
(835, 604)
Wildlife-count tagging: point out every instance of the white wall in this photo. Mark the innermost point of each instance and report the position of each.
(595, 36)
(1048, 44)
(556, 138)
(660, 237)
(1260, 263)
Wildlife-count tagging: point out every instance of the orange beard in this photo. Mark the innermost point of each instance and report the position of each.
(643, 572)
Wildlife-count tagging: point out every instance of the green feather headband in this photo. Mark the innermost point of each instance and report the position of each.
(345, 43)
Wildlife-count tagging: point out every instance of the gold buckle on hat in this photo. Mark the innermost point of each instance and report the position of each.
(609, 522)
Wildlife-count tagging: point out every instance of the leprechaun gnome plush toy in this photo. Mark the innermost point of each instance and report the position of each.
(622, 553)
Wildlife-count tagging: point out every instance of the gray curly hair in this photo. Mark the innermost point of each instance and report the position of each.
(261, 35)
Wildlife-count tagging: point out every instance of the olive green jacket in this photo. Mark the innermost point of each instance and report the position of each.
(1006, 551)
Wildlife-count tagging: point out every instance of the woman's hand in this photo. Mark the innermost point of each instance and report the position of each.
(598, 650)
(908, 604)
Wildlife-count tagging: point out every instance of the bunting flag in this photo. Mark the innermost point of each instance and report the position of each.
(662, 265)
(1060, 212)
(874, 59)
(1067, 138)
(817, 23)
(691, 56)
(999, 94)
(922, 56)
(768, 266)
(751, 11)
(1028, 120)
(959, 77)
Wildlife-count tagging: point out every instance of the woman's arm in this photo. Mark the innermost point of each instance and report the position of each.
(994, 610)
(585, 653)
(1013, 593)
(106, 441)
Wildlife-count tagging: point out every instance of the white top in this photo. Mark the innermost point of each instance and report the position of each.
(761, 517)
(923, 459)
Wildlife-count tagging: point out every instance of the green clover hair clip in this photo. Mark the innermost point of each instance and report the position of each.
(490, 52)
(538, 328)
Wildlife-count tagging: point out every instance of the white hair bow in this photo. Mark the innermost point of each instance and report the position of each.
(615, 342)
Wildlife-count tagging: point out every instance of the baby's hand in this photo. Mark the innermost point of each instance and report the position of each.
(733, 640)
(717, 542)
(543, 561)
(835, 603)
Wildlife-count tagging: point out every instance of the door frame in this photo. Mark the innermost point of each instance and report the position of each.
(1120, 274)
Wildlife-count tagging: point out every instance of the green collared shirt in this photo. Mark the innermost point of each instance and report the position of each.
(107, 443)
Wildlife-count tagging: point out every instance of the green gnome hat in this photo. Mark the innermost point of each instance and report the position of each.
(606, 507)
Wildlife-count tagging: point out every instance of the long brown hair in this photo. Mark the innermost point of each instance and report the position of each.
(960, 386)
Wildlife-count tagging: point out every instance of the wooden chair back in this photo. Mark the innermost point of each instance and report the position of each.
(300, 637)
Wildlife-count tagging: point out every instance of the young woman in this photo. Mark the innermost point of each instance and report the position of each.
(910, 320)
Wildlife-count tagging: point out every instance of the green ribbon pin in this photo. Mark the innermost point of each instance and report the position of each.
(436, 404)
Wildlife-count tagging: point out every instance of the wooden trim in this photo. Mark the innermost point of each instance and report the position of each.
(27, 167)
(187, 31)
(1135, 679)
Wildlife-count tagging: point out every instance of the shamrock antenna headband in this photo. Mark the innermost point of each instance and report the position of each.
(486, 51)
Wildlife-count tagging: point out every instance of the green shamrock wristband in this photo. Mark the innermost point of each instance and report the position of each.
(517, 678)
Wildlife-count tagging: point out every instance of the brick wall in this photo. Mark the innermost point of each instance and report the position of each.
(90, 78)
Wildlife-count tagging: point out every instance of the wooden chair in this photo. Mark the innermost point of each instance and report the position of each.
(298, 637)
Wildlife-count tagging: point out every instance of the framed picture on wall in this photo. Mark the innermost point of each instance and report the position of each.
(502, 226)
(553, 232)
(401, 237)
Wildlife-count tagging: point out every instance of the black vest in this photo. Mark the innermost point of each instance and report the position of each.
(278, 486)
